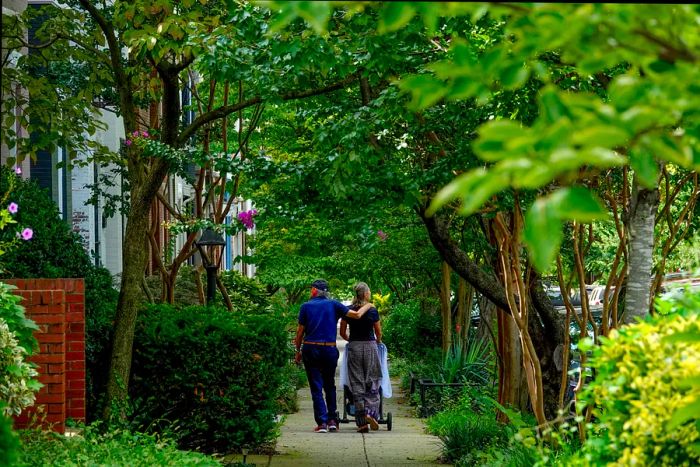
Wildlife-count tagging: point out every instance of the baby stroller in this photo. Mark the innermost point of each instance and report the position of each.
(349, 409)
(348, 403)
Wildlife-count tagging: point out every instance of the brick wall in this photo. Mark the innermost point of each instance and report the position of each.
(58, 308)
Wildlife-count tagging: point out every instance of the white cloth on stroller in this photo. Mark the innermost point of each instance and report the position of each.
(385, 383)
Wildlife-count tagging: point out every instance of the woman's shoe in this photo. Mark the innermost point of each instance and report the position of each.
(363, 429)
(372, 423)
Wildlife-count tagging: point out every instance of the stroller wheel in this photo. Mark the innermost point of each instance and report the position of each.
(388, 421)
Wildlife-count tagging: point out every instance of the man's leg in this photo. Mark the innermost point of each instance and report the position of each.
(316, 384)
(330, 363)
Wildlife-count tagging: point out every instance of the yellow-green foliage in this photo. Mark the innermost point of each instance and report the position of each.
(381, 302)
(646, 394)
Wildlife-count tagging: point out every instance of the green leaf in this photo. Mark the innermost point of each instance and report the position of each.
(640, 117)
(645, 166)
(491, 184)
(514, 75)
(315, 13)
(553, 108)
(684, 414)
(463, 87)
(425, 89)
(681, 338)
(601, 157)
(474, 187)
(497, 136)
(605, 136)
(543, 222)
(542, 234)
(394, 16)
(578, 204)
(670, 149)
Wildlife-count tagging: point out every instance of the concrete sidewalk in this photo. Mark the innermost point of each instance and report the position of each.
(406, 444)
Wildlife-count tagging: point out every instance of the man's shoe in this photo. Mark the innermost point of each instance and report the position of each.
(322, 428)
(363, 429)
(372, 423)
(332, 426)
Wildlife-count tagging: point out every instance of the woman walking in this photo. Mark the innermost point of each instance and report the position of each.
(364, 368)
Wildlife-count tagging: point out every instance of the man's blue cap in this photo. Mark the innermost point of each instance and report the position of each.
(320, 284)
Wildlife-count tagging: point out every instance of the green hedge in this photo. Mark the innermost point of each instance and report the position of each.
(210, 376)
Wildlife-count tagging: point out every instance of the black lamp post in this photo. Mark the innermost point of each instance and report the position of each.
(207, 245)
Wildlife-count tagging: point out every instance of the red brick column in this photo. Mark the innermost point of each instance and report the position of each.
(58, 308)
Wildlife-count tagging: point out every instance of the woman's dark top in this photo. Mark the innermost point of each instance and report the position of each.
(362, 329)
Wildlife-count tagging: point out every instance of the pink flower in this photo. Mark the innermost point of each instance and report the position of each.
(246, 218)
(381, 234)
(27, 234)
(135, 133)
(128, 142)
(145, 134)
(18, 170)
(13, 208)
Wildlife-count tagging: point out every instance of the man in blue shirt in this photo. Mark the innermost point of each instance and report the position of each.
(317, 329)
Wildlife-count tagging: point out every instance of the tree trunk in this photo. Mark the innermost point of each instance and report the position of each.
(134, 262)
(644, 205)
(512, 383)
(465, 297)
(546, 328)
(445, 308)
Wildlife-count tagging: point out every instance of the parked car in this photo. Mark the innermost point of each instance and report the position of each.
(596, 295)
(557, 300)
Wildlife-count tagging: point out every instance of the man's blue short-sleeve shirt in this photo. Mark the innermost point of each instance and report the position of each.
(320, 316)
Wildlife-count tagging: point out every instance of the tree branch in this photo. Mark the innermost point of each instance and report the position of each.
(223, 111)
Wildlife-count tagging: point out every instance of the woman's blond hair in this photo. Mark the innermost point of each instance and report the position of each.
(360, 290)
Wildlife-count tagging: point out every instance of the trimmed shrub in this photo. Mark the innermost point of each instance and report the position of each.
(211, 377)
(118, 447)
(646, 393)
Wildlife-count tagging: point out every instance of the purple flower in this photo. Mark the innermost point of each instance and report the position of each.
(135, 133)
(18, 170)
(381, 234)
(128, 142)
(12, 208)
(144, 134)
(246, 218)
(27, 234)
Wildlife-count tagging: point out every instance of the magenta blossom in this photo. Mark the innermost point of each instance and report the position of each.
(18, 170)
(246, 218)
(145, 134)
(127, 142)
(12, 208)
(27, 234)
(382, 235)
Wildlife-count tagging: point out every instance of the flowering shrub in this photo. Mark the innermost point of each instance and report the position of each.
(17, 386)
(646, 394)
(7, 215)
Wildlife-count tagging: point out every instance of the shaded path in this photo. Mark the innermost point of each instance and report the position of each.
(407, 443)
